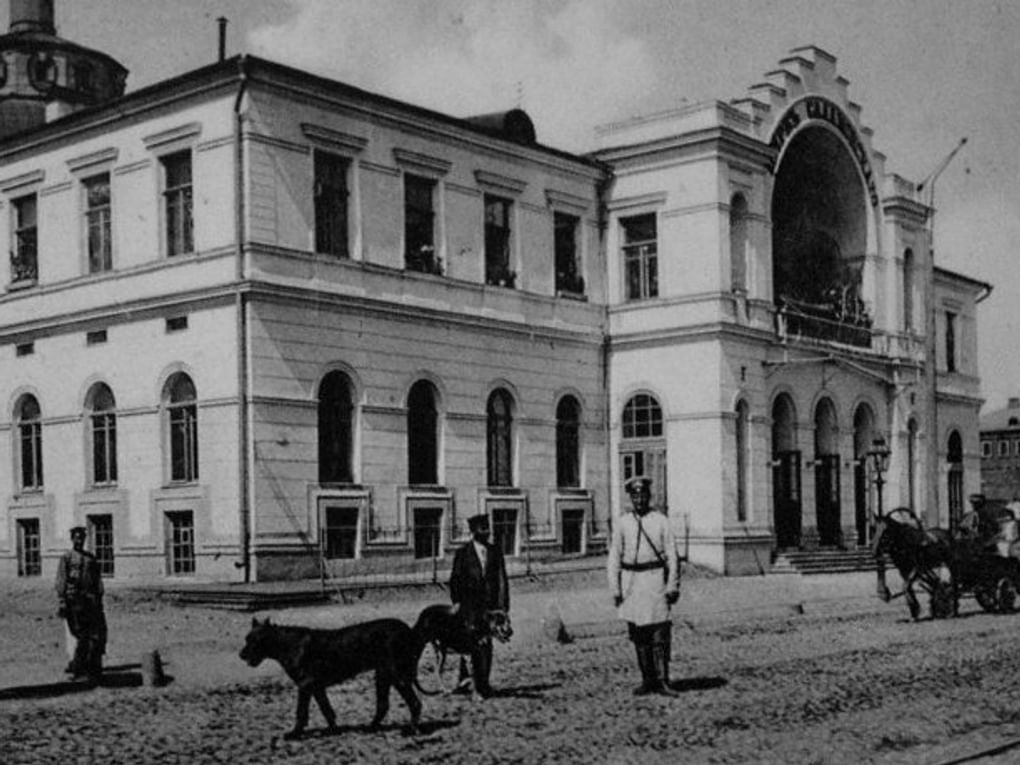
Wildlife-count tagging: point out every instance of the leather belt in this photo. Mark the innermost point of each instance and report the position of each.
(649, 566)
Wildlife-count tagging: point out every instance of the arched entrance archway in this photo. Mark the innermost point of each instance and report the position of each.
(864, 428)
(786, 505)
(819, 238)
(954, 493)
(827, 488)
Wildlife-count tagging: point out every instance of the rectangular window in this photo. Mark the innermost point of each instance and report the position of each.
(331, 220)
(24, 349)
(568, 271)
(100, 528)
(104, 448)
(950, 341)
(640, 256)
(97, 222)
(986, 448)
(29, 547)
(177, 198)
(426, 531)
(497, 242)
(340, 532)
(176, 323)
(419, 226)
(184, 443)
(1003, 448)
(95, 337)
(573, 531)
(24, 248)
(504, 529)
(30, 434)
(180, 541)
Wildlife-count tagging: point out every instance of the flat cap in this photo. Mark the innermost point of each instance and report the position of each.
(637, 483)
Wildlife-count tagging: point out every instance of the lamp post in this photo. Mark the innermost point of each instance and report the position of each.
(879, 458)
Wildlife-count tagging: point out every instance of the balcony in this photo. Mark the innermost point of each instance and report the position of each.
(836, 321)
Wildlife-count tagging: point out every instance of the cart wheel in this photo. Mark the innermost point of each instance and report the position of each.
(437, 670)
(987, 598)
(941, 601)
(1005, 592)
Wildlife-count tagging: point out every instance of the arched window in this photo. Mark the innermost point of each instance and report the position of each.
(422, 435)
(29, 419)
(738, 243)
(102, 434)
(743, 439)
(180, 402)
(642, 417)
(643, 449)
(908, 290)
(568, 444)
(499, 441)
(336, 429)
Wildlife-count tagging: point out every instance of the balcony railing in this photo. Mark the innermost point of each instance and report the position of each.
(831, 322)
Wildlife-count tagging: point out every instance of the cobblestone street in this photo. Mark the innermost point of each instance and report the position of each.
(846, 681)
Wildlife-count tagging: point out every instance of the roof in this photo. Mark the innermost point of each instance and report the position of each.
(1000, 418)
(233, 71)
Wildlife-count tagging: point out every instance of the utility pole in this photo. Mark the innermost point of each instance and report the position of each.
(931, 360)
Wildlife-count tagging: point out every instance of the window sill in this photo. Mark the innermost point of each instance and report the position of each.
(579, 296)
(22, 284)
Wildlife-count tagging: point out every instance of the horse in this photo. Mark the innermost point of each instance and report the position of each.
(920, 555)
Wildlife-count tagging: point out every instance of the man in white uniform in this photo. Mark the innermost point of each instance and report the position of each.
(644, 580)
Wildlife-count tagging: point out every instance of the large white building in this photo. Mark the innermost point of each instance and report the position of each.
(258, 324)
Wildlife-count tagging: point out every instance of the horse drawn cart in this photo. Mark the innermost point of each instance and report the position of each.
(972, 562)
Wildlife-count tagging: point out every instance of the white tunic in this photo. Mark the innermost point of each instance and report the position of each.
(643, 592)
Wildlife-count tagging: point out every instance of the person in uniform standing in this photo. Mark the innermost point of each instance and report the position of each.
(80, 594)
(644, 580)
(478, 583)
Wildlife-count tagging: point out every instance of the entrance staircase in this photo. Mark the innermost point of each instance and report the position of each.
(823, 561)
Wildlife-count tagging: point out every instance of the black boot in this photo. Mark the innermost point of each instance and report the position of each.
(646, 663)
(660, 654)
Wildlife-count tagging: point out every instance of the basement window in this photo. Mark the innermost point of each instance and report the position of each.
(176, 323)
(96, 337)
(24, 349)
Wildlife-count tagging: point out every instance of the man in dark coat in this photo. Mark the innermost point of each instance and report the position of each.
(478, 583)
(80, 594)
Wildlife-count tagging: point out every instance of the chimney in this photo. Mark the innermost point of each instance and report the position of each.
(1014, 403)
(32, 16)
(222, 21)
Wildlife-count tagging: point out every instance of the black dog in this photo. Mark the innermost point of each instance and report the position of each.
(315, 659)
(458, 631)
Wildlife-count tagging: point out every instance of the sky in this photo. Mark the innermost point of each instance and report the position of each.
(925, 72)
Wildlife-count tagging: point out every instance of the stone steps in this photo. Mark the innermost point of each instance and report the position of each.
(823, 561)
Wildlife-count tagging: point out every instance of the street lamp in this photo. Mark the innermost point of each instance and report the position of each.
(879, 458)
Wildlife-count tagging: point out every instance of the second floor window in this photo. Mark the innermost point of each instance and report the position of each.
(330, 204)
(97, 222)
(497, 242)
(568, 271)
(640, 256)
(177, 196)
(499, 441)
(24, 250)
(419, 226)
(950, 341)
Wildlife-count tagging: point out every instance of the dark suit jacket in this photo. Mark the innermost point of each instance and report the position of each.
(474, 589)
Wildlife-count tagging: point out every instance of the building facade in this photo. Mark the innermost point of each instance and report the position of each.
(1000, 452)
(258, 324)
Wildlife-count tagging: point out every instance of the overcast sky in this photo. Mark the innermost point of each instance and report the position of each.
(926, 73)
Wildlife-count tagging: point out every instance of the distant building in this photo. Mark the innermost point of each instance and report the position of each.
(1000, 452)
(259, 324)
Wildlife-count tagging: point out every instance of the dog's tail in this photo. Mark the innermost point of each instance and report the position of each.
(425, 634)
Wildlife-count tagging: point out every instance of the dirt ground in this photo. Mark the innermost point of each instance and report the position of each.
(840, 681)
